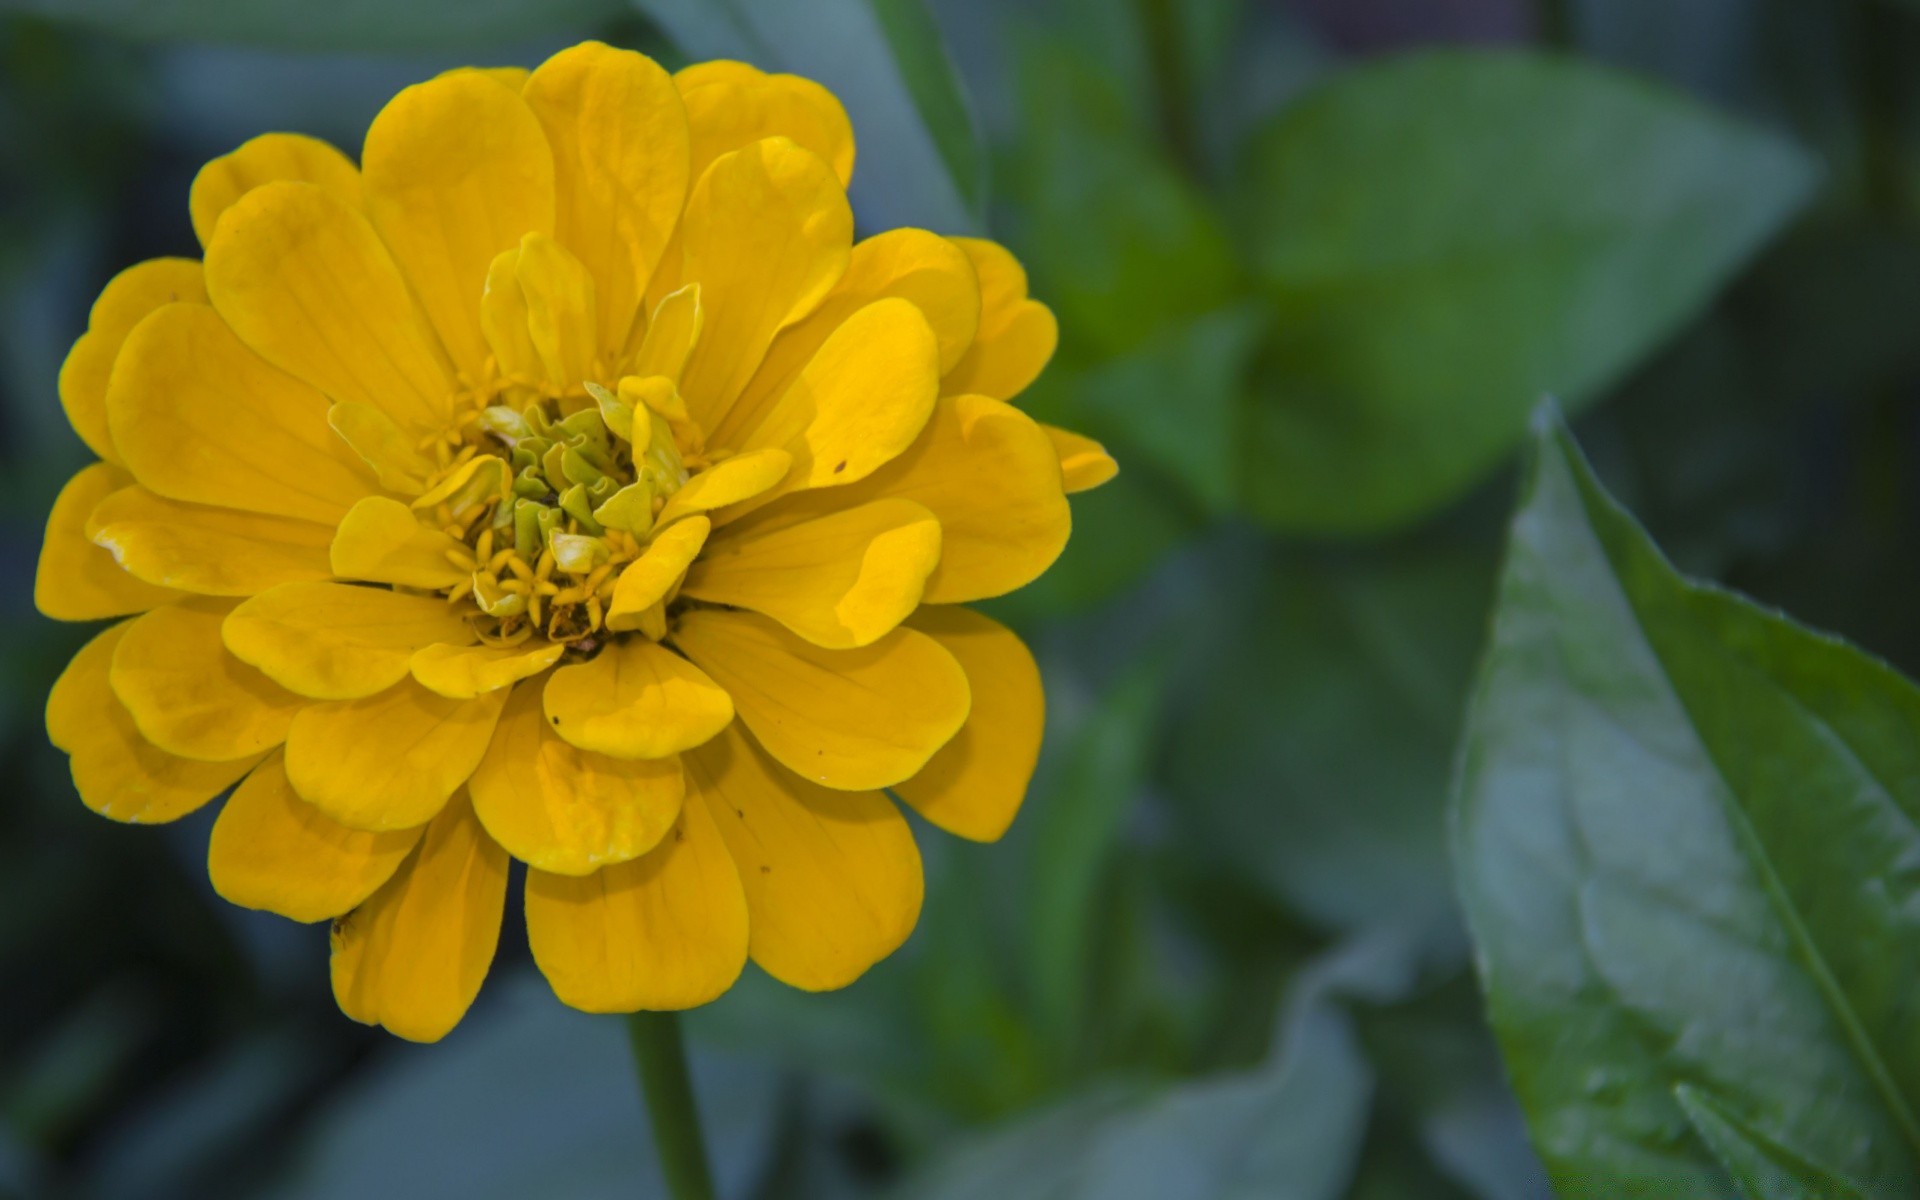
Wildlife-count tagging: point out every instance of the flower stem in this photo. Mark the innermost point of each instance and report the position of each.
(660, 1056)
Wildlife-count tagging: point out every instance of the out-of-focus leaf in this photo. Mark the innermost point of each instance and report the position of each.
(1316, 749)
(1448, 237)
(921, 161)
(1762, 1168)
(1073, 837)
(335, 25)
(1176, 402)
(1288, 1130)
(540, 1100)
(1119, 242)
(1684, 836)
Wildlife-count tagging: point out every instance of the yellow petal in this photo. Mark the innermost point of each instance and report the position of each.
(833, 879)
(840, 580)
(306, 282)
(456, 170)
(635, 699)
(335, 641)
(619, 138)
(76, 580)
(730, 105)
(729, 481)
(648, 579)
(559, 808)
(910, 264)
(989, 473)
(389, 761)
(861, 400)
(1084, 463)
(211, 551)
(269, 158)
(272, 850)
(412, 958)
(671, 335)
(123, 303)
(663, 932)
(1017, 335)
(974, 785)
(118, 773)
(559, 297)
(383, 541)
(188, 696)
(463, 672)
(395, 458)
(199, 417)
(848, 719)
(766, 235)
(503, 322)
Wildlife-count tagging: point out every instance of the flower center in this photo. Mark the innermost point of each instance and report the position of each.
(551, 496)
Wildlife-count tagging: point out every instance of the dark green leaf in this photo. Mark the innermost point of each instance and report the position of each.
(1176, 402)
(1762, 1168)
(920, 160)
(1685, 837)
(1449, 237)
(335, 25)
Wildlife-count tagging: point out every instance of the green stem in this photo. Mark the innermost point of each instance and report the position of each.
(661, 1058)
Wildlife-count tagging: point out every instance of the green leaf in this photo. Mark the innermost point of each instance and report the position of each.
(1176, 403)
(1449, 237)
(1291, 1127)
(336, 25)
(921, 160)
(1761, 1167)
(1685, 831)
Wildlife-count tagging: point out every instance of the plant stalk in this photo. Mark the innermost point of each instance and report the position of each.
(660, 1057)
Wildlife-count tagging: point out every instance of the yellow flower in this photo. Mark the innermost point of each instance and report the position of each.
(562, 483)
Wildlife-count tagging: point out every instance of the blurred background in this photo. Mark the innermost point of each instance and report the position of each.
(1314, 261)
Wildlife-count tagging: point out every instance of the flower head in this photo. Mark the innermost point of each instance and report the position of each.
(563, 483)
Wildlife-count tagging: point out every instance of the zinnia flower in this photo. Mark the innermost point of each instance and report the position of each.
(563, 483)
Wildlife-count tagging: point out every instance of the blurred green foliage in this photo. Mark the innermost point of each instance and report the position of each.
(1315, 261)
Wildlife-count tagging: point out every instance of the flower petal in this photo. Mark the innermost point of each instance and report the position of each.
(1084, 463)
(123, 303)
(619, 138)
(188, 696)
(1017, 336)
(861, 400)
(118, 773)
(272, 850)
(306, 282)
(989, 473)
(635, 699)
(910, 264)
(671, 334)
(389, 761)
(559, 296)
(559, 808)
(729, 481)
(663, 932)
(207, 550)
(833, 879)
(456, 170)
(395, 459)
(848, 719)
(766, 235)
(647, 580)
(381, 540)
(730, 105)
(269, 158)
(839, 580)
(463, 672)
(335, 641)
(75, 579)
(199, 417)
(412, 958)
(974, 785)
